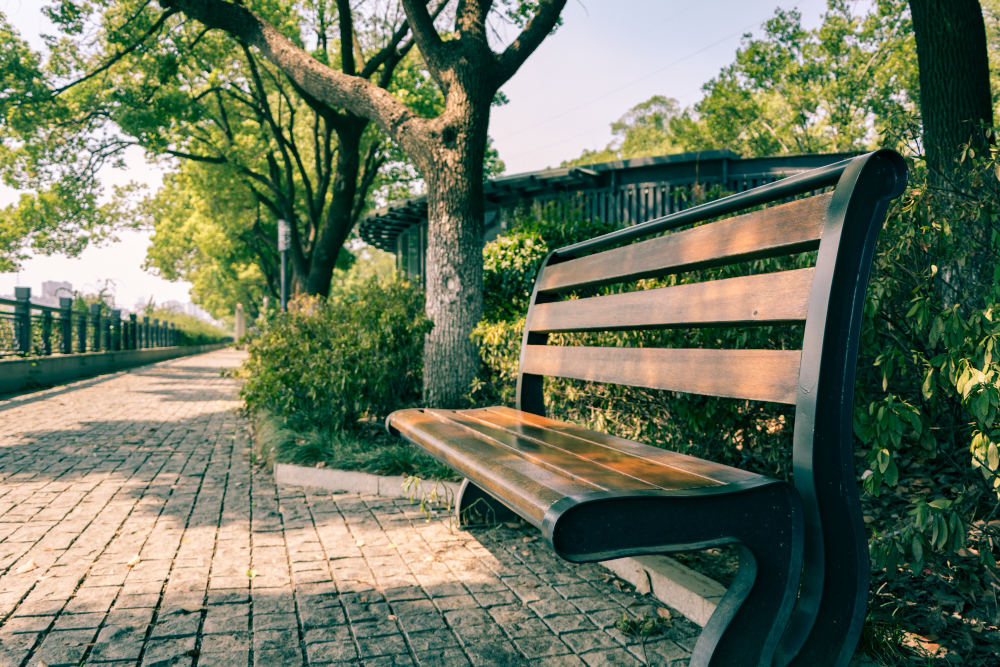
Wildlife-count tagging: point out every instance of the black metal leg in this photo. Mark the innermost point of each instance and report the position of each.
(765, 521)
(747, 624)
(475, 507)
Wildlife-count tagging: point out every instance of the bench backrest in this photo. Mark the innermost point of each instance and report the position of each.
(818, 380)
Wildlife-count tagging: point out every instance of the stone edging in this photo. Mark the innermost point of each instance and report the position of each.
(689, 592)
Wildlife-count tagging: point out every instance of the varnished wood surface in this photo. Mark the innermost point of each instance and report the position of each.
(765, 298)
(526, 488)
(530, 462)
(759, 375)
(792, 227)
(658, 467)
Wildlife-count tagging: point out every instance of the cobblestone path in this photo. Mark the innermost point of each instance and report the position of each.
(134, 530)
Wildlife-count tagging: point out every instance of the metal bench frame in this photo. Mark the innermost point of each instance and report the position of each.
(801, 592)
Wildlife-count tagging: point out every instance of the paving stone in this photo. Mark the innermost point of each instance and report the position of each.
(451, 657)
(155, 463)
(64, 648)
(322, 653)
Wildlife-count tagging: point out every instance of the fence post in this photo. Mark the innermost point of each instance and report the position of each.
(145, 331)
(81, 332)
(66, 321)
(95, 322)
(47, 332)
(173, 334)
(106, 332)
(22, 318)
(133, 342)
(116, 330)
(156, 332)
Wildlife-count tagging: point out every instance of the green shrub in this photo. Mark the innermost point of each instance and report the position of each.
(510, 264)
(194, 330)
(326, 364)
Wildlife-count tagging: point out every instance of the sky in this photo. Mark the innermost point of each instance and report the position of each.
(608, 56)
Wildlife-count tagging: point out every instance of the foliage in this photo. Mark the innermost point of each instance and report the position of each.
(326, 364)
(928, 395)
(194, 330)
(838, 87)
(62, 206)
(653, 127)
(510, 263)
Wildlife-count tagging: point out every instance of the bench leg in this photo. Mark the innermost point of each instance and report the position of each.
(764, 521)
(750, 618)
(475, 507)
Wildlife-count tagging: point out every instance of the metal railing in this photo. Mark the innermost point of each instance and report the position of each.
(28, 329)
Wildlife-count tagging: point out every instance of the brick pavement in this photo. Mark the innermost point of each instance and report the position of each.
(134, 530)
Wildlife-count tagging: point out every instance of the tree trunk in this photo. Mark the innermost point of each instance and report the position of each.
(954, 76)
(338, 221)
(455, 260)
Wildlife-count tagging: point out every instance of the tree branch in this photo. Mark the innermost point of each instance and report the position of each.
(331, 87)
(346, 37)
(538, 28)
(425, 33)
(121, 54)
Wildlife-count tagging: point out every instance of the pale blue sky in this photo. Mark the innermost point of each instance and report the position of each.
(608, 56)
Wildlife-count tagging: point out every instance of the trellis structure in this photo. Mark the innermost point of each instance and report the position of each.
(624, 191)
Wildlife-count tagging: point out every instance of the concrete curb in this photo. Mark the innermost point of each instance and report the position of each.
(348, 481)
(689, 592)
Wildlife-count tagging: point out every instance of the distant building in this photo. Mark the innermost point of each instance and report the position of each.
(174, 306)
(57, 288)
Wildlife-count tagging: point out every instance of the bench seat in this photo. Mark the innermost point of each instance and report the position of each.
(531, 462)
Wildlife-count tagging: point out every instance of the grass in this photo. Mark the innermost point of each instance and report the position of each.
(366, 449)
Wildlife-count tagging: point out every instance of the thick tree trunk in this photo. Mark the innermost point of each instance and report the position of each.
(954, 76)
(455, 260)
(338, 222)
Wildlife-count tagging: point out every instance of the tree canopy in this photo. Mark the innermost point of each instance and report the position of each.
(838, 87)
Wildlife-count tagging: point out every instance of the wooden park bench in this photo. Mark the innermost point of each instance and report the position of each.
(801, 591)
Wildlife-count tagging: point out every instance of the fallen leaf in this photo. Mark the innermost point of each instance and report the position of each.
(361, 543)
(511, 524)
(663, 612)
(392, 617)
(27, 567)
(251, 573)
(530, 538)
(41, 664)
(194, 653)
(321, 464)
(47, 549)
(364, 598)
(133, 561)
(392, 545)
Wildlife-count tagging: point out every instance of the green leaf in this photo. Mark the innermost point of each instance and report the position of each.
(928, 387)
(884, 459)
(891, 473)
(918, 549)
(992, 456)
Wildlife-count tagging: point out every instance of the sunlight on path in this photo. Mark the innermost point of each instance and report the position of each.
(135, 531)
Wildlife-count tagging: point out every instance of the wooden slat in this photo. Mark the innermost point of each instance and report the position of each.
(760, 375)
(716, 472)
(581, 469)
(749, 300)
(641, 462)
(792, 227)
(522, 485)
